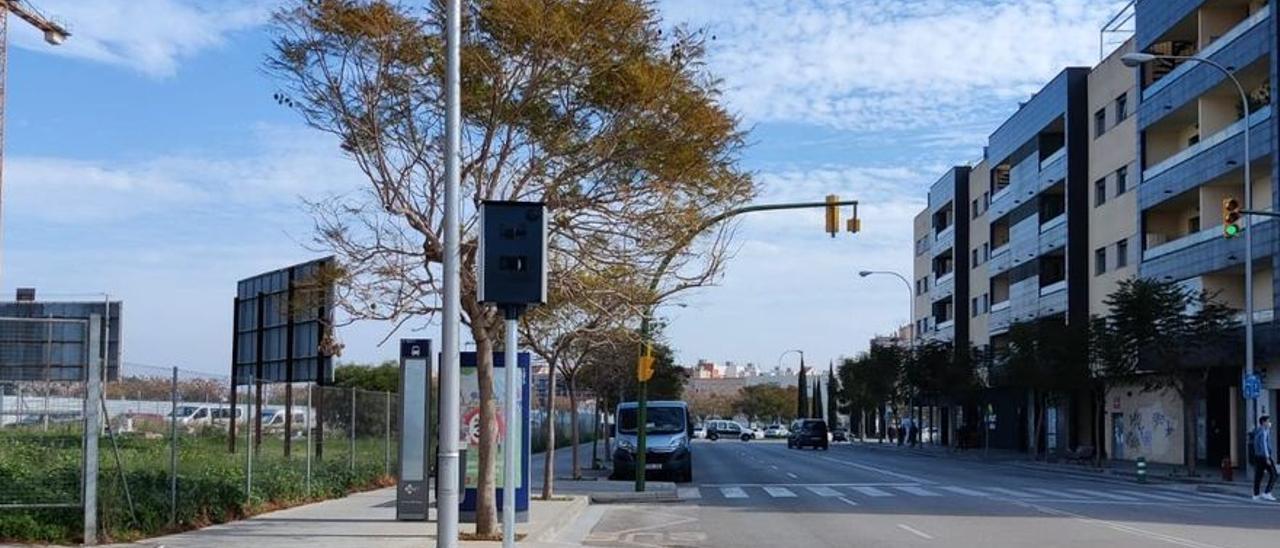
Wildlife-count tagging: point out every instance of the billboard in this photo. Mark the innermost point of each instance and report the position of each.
(55, 350)
(283, 325)
(470, 431)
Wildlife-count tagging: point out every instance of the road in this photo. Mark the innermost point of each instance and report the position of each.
(760, 493)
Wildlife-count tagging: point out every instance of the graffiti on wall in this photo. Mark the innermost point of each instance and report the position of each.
(1150, 431)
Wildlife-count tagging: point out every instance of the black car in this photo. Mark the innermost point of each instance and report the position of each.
(808, 432)
(839, 434)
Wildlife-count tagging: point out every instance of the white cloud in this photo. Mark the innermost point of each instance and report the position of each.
(888, 64)
(149, 36)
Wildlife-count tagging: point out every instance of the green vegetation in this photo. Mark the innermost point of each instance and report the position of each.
(45, 467)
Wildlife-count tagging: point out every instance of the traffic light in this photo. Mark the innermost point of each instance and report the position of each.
(644, 365)
(1230, 217)
(833, 215)
(853, 225)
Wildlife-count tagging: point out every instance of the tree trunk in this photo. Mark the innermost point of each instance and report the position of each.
(486, 499)
(595, 434)
(549, 467)
(573, 426)
(1033, 445)
(1192, 435)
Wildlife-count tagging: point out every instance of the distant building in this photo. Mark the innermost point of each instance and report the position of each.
(730, 370)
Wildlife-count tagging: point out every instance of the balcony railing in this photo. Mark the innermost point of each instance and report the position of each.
(1192, 239)
(1002, 305)
(940, 234)
(1259, 316)
(1004, 248)
(1056, 221)
(1053, 288)
(939, 280)
(1053, 158)
(1217, 45)
(1228, 132)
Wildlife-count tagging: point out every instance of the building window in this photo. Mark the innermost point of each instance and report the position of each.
(1122, 180)
(1099, 192)
(986, 200)
(986, 303)
(986, 251)
(1100, 261)
(1122, 107)
(973, 307)
(974, 209)
(974, 263)
(1122, 253)
(1099, 123)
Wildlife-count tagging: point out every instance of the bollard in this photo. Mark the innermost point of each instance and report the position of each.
(1142, 469)
(1228, 473)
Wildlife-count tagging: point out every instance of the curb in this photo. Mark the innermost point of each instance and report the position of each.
(554, 527)
(635, 498)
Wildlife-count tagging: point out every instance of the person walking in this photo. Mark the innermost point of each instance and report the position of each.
(1264, 459)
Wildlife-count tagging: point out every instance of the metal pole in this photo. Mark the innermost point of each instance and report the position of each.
(351, 457)
(173, 448)
(510, 447)
(310, 410)
(642, 409)
(386, 459)
(248, 444)
(447, 476)
(92, 427)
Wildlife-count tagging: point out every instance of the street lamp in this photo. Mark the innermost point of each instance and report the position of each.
(911, 305)
(1139, 59)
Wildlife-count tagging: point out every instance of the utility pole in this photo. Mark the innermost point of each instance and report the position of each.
(54, 34)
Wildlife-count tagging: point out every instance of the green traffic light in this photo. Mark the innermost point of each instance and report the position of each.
(1231, 230)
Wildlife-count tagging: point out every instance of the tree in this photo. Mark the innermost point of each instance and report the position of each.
(617, 129)
(711, 405)
(832, 390)
(802, 389)
(1048, 358)
(765, 401)
(1166, 336)
(816, 409)
(869, 381)
(384, 377)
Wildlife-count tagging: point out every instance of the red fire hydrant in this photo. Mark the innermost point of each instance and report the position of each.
(1227, 471)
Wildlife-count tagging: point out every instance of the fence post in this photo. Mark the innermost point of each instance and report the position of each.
(310, 410)
(173, 448)
(352, 457)
(248, 446)
(386, 459)
(92, 427)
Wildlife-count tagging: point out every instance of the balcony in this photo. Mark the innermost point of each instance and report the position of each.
(1054, 222)
(1053, 288)
(1002, 305)
(1261, 115)
(1218, 45)
(1259, 316)
(1044, 164)
(1206, 235)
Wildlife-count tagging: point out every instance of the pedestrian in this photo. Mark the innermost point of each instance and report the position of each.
(1264, 459)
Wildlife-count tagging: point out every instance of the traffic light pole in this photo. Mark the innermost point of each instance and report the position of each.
(646, 320)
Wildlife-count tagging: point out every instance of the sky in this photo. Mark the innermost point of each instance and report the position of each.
(146, 159)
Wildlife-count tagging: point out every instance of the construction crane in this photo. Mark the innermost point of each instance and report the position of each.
(54, 34)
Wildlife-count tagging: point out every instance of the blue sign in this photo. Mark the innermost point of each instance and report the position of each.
(470, 426)
(1252, 386)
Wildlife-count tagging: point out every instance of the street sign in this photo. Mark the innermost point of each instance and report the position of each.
(412, 495)
(1252, 386)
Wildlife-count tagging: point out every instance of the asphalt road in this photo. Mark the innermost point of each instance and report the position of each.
(760, 493)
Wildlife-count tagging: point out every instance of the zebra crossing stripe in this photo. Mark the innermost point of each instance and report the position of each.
(871, 491)
(1055, 493)
(1012, 493)
(733, 492)
(779, 492)
(1153, 496)
(964, 491)
(823, 491)
(688, 493)
(1104, 495)
(916, 491)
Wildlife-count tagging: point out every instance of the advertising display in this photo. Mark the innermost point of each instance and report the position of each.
(470, 432)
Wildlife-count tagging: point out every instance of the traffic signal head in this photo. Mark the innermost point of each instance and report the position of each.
(644, 364)
(833, 215)
(1230, 217)
(853, 225)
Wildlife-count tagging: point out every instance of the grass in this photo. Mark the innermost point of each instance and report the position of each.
(45, 467)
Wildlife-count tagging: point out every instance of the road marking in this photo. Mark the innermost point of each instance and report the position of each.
(905, 477)
(733, 492)
(823, 491)
(1055, 493)
(779, 492)
(847, 501)
(688, 493)
(915, 531)
(871, 491)
(792, 476)
(965, 492)
(1153, 496)
(773, 466)
(1121, 527)
(1104, 495)
(1012, 492)
(917, 491)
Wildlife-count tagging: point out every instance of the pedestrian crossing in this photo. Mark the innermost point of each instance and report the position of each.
(854, 494)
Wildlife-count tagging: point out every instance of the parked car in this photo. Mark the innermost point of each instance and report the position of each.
(667, 433)
(728, 429)
(839, 434)
(775, 431)
(700, 431)
(808, 432)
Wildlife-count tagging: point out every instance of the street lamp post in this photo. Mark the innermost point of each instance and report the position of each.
(911, 316)
(1137, 60)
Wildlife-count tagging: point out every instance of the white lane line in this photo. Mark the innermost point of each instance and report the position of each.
(917, 491)
(733, 492)
(1122, 527)
(1104, 495)
(779, 492)
(688, 493)
(792, 476)
(1153, 496)
(847, 501)
(823, 491)
(1012, 493)
(915, 531)
(1056, 493)
(904, 477)
(965, 492)
(871, 491)
(773, 466)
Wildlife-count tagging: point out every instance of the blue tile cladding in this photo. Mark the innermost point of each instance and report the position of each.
(943, 191)
(1213, 255)
(1154, 17)
(1246, 49)
(1206, 166)
(1047, 105)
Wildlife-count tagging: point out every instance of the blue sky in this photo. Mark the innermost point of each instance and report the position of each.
(145, 158)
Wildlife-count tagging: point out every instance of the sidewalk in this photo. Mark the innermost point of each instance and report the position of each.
(1208, 480)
